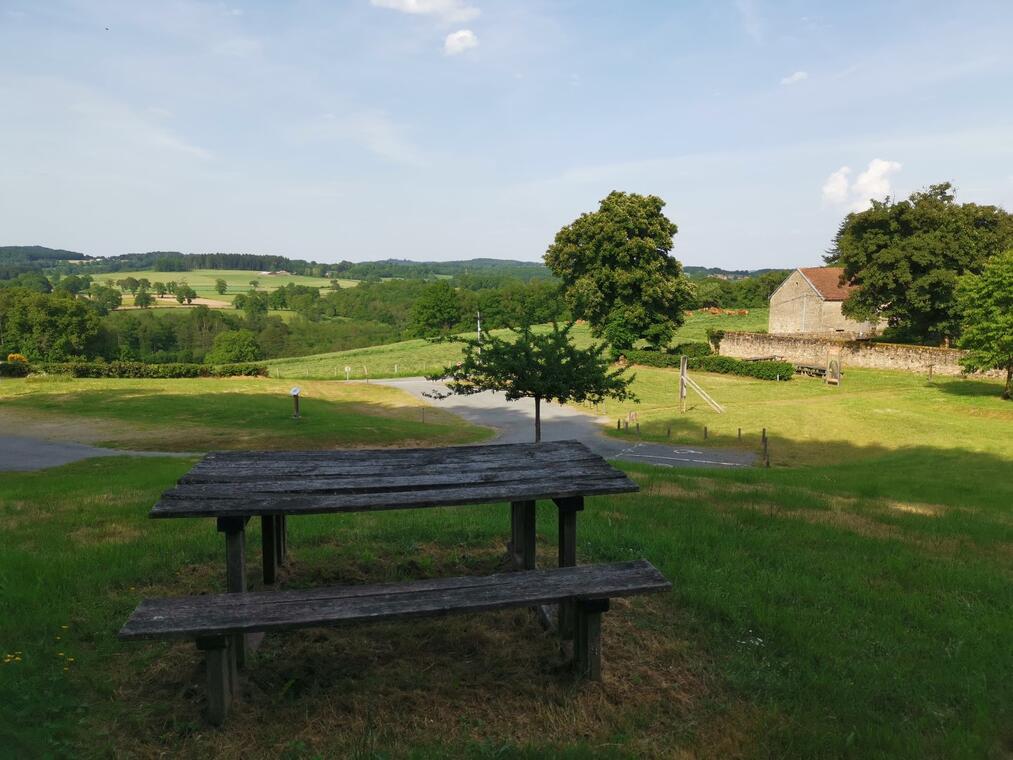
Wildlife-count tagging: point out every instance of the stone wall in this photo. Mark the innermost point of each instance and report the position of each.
(809, 350)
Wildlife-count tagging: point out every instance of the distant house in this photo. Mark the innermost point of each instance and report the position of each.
(809, 302)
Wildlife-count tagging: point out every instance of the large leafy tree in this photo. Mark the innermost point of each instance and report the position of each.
(234, 346)
(986, 304)
(617, 272)
(538, 365)
(47, 327)
(907, 256)
(437, 310)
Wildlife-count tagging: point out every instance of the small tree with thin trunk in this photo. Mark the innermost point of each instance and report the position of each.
(538, 365)
(986, 305)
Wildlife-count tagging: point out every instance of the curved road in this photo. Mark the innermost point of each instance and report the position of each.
(515, 421)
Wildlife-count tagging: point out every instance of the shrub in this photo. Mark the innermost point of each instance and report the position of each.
(157, 371)
(14, 369)
(692, 349)
(726, 365)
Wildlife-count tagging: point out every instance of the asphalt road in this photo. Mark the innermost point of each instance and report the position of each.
(20, 453)
(515, 421)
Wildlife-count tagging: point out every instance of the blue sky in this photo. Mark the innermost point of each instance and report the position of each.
(445, 129)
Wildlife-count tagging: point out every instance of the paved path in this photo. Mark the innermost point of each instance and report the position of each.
(515, 421)
(20, 453)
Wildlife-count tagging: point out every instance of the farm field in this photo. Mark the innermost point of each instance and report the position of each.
(203, 282)
(224, 413)
(855, 610)
(418, 357)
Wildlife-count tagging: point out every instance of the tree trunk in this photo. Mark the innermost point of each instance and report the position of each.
(1008, 390)
(538, 418)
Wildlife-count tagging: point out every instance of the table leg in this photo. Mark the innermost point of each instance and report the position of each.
(568, 509)
(234, 529)
(269, 547)
(523, 542)
(281, 538)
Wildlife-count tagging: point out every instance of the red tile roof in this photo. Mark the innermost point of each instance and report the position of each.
(827, 281)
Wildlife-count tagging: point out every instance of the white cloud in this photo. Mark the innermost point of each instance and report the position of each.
(795, 78)
(459, 41)
(873, 183)
(835, 189)
(454, 11)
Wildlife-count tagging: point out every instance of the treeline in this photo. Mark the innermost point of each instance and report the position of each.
(430, 270)
(16, 260)
(175, 261)
(744, 293)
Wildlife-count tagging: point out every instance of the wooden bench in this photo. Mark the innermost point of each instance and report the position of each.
(214, 621)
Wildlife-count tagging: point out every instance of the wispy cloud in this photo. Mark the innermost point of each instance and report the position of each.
(372, 129)
(751, 21)
(873, 183)
(459, 41)
(794, 78)
(451, 11)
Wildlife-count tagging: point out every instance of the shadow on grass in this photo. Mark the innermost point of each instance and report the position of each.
(967, 387)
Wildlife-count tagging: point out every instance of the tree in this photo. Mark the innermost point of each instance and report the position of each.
(542, 366)
(160, 288)
(437, 310)
(617, 273)
(143, 299)
(221, 286)
(185, 293)
(986, 305)
(129, 283)
(906, 257)
(234, 346)
(105, 298)
(47, 327)
(254, 284)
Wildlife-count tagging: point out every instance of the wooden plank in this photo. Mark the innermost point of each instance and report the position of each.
(235, 577)
(254, 504)
(378, 484)
(269, 547)
(220, 685)
(567, 537)
(220, 614)
(587, 642)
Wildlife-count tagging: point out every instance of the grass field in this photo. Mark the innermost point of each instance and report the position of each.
(203, 281)
(419, 357)
(860, 610)
(809, 422)
(227, 413)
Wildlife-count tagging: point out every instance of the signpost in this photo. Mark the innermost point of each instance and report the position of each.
(295, 401)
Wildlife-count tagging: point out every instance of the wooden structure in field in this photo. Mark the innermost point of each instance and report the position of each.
(686, 382)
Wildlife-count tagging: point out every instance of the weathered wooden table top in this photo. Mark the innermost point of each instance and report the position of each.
(250, 483)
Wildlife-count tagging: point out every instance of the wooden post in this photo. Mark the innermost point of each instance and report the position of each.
(269, 547)
(587, 638)
(619, 423)
(295, 401)
(763, 435)
(668, 433)
(222, 681)
(638, 428)
(740, 434)
(523, 535)
(234, 529)
(705, 432)
(766, 453)
(281, 538)
(568, 509)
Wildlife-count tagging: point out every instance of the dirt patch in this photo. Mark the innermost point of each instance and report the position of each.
(109, 533)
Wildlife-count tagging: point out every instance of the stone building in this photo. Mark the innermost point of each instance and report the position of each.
(809, 302)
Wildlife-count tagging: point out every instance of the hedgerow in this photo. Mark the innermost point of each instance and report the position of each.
(158, 371)
(726, 365)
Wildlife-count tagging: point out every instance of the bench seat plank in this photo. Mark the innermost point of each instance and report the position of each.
(222, 614)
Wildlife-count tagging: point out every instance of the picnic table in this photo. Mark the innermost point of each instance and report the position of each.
(233, 487)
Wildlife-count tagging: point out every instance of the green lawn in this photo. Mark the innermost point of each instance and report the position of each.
(419, 357)
(226, 413)
(238, 280)
(860, 610)
(809, 422)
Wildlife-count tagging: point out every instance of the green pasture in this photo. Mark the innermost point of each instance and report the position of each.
(810, 422)
(203, 281)
(849, 611)
(420, 357)
(225, 413)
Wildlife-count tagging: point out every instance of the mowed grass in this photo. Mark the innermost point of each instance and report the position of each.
(809, 422)
(859, 610)
(410, 358)
(225, 413)
(238, 281)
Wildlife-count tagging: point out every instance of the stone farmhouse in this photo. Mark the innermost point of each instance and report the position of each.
(809, 302)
